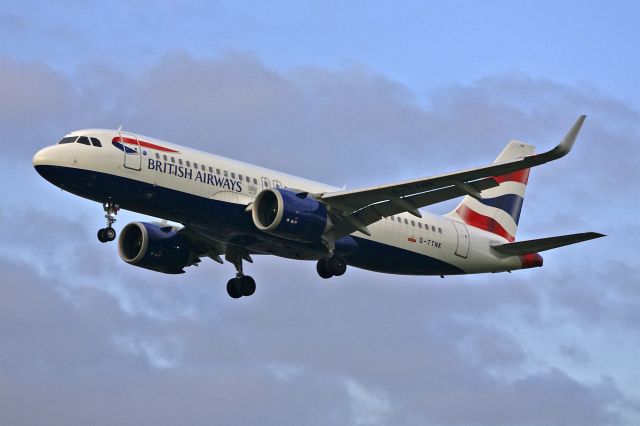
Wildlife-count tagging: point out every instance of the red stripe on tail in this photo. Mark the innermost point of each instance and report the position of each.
(478, 220)
(521, 176)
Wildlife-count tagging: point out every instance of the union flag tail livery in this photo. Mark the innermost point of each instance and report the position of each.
(498, 209)
(234, 210)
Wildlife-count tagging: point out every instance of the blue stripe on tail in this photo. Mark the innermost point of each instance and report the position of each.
(510, 203)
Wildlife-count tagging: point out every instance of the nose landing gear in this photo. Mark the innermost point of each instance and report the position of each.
(108, 234)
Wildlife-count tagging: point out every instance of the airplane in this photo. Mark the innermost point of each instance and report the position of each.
(238, 210)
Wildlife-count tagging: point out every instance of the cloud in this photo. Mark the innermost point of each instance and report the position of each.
(94, 340)
(333, 361)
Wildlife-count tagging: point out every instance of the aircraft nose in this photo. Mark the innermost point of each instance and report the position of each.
(42, 157)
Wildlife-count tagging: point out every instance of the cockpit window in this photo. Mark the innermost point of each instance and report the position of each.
(84, 140)
(96, 142)
(68, 139)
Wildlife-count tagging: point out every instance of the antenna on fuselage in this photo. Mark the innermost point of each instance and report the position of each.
(119, 128)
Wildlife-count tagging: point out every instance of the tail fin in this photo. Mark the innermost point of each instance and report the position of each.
(498, 211)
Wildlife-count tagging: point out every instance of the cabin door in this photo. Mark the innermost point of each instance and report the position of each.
(462, 249)
(132, 151)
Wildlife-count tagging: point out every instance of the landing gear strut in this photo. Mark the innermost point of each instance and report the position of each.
(333, 266)
(241, 285)
(108, 233)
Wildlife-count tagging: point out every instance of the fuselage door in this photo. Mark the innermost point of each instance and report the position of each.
(462, 249)
(132, 151)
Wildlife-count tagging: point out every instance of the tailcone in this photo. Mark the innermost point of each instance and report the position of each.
(531, 260)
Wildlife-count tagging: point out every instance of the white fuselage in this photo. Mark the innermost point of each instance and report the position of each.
(176, 183)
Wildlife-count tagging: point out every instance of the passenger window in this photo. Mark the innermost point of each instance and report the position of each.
(195, 165)
(248, 179)
(164, 157)
(188, 163)
(218, 171)
(420, 225)
(433, 228)
(255, 181)
(226, 173)
(173, 160)
(180, 161)
(84, 140)
(413, 223)
(406, 222)
(210, 169)
(68, 139)
(440, 230)
(202, 167)
(158, 155)
(240, 177)
(233, 175)
(96, 142)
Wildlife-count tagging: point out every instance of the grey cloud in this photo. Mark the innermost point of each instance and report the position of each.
(331, 360)
(574, 353)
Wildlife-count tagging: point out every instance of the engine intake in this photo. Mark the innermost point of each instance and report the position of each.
(291, 215)
(154, 247)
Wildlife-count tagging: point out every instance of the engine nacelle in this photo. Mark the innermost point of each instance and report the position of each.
(154, 247)
(291, 215)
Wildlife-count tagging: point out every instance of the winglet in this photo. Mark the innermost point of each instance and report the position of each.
(565, 146)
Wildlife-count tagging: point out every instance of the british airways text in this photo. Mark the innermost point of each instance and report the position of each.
(187, 173)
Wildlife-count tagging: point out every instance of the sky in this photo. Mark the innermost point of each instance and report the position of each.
(348, 93)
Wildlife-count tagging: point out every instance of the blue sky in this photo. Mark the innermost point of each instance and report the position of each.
(355, 93)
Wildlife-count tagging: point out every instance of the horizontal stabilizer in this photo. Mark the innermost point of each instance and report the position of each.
(542, 244)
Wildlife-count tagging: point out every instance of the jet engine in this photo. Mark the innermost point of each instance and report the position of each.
(291, 215)
(155, 247)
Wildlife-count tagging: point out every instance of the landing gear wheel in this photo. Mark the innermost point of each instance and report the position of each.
(248, 285)
(336, 266)
(333, 266)
(109, 233)
(106, 234)
(233, 288)
(322, 269)
(241, 285)
(101, 237)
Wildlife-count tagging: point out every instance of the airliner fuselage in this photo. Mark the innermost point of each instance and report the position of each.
(234, 209)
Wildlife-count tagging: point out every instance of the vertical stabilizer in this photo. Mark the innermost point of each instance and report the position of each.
(498, 211)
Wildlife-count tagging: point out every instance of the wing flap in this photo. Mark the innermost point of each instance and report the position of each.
(534, 246)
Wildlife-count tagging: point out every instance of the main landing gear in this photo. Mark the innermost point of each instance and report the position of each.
(333, 266)
(241, 285)
(108, 234)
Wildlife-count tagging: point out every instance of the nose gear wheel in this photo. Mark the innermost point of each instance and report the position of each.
(108, 234)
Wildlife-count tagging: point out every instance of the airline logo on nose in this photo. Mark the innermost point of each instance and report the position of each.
(130, 145)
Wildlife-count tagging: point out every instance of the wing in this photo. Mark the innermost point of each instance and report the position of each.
(203, 246)
(355, 209)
